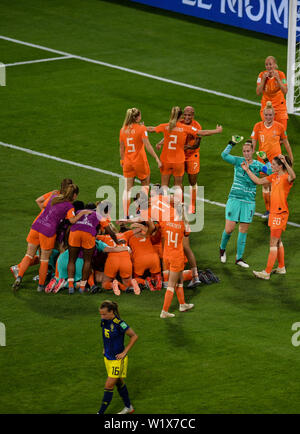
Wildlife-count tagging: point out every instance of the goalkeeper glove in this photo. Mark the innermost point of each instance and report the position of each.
(263, 156)
(235, 140)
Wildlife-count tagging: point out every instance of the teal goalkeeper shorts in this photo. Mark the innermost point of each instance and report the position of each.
(239, 211)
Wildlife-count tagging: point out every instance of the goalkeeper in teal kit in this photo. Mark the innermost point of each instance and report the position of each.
(240, 206)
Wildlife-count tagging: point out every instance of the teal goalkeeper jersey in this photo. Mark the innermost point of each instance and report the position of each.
(243, 188)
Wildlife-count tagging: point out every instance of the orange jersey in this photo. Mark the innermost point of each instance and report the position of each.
(269, 138)
(272, 92)
(139, 245)
(190, 140)
(107, 239)
(279, 192)
(160, 208)
(172, 234)
(132, 137)
(173, 147)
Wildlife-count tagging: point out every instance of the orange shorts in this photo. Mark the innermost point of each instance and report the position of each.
(140, 169)
(81, 239)
(174, 263)
(175, 169)
(192, 164)
(278, 221)
(149, 262)
(118, 263)
(38, 239)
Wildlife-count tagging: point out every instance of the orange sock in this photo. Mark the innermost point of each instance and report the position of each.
(266, 197)
(107, 285)
(280, 256)
(91, 280)
(122, 287)
(193, 191)
(187, 275)
(43, 271)
(271, 259)
(24, 264)
(180, 294)
(71, 283)
(56, 270)
(168, 299)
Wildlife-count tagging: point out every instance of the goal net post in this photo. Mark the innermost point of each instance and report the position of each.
(293, 58)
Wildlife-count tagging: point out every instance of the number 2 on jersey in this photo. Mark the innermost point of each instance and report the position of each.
(172, 142)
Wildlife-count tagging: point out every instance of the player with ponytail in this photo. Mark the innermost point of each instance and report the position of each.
(114, 330)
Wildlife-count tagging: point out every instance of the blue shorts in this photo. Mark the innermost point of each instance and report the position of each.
(239, 211)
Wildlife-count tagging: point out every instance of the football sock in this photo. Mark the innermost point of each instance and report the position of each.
(91, 280)
(187, 275)
(280, 256)
(193, 194)
(123, 392)
(271, 259)
(224, 240)
(56, 270)
(180, 293)
(71, 283)
(122, 287)
(24, 264)
(168, 299)
(241, 244)
(43, 271)
(82, 284)
(107, 397)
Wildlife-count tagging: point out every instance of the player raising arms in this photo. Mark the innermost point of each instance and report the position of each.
(114, 330)
(172, 156)
(270, 133)
(272, 85)
(133, 141)
(240, 206)
(282, 181)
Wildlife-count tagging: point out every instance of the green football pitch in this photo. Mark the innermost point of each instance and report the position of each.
(233, 352)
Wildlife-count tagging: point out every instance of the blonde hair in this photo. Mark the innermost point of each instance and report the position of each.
(67, 195)
(269, 106)
(176, 112)
(131, 117)
(274, 60)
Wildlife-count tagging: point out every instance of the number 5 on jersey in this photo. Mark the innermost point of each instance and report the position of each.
(130, 145)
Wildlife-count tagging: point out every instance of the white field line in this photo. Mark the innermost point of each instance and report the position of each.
(106, 172)
(132, 71)
(50, 59)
